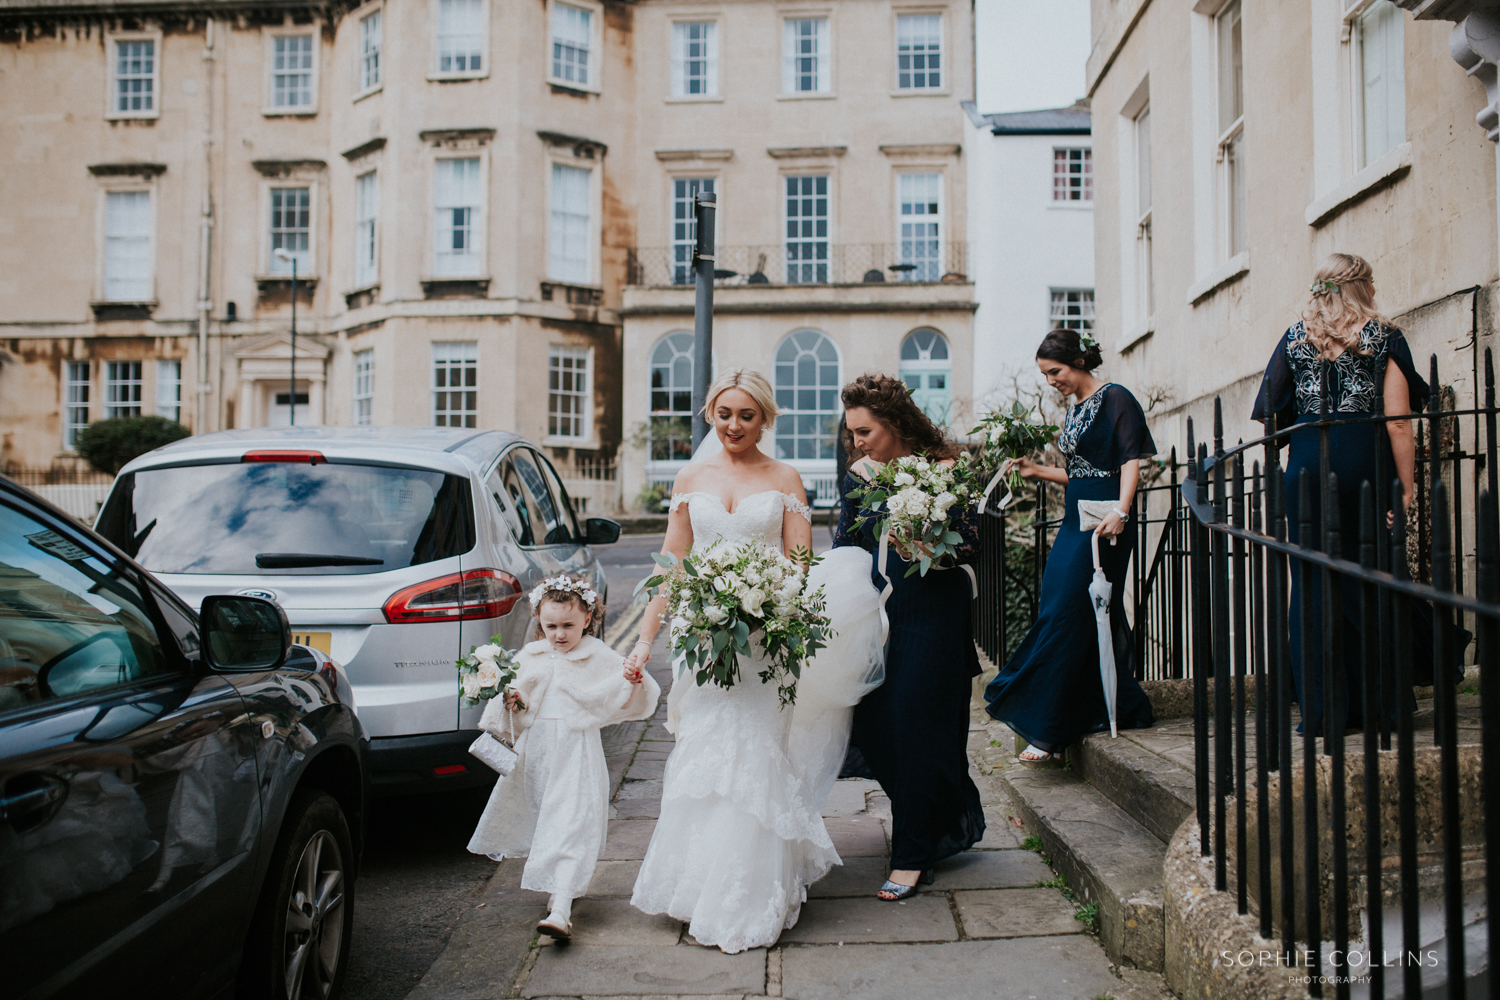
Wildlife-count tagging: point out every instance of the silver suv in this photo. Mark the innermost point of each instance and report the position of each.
(391, 549)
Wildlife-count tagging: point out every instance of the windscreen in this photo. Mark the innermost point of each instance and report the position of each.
(283, 518)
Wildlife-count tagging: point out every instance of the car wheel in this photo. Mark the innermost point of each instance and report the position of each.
(298, 947)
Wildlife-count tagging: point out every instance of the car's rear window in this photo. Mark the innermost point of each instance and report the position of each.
(280, 518)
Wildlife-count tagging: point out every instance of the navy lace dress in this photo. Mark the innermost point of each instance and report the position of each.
(1049, 692)
(1296, 386)
(914, 729)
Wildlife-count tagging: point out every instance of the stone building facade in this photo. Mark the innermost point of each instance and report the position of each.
(469, 191)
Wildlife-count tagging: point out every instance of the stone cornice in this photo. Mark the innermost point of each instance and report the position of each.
(923, 149)
(457, 138)
(20, 19)
(805, 152)
(586, 148)
(672, 155)
(278, 169)
(365, 148)
(146, 170)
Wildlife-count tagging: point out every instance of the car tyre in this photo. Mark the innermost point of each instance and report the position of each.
(298, 945)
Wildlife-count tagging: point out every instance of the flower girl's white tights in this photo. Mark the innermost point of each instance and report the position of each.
(561, 908)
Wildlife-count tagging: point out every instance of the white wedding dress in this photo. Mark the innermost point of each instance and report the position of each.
(740, 835)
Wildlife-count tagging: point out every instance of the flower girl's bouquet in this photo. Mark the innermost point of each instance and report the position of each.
(485, 672)
(725, 595)
(1010, 435)
(913, 498)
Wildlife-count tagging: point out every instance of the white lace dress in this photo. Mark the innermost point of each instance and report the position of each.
(739, 836)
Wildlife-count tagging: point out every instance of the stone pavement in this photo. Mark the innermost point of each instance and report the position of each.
(985, 929)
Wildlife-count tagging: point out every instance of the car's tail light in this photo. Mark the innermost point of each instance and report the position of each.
(448, 769)
(282, 455)
(479, 593)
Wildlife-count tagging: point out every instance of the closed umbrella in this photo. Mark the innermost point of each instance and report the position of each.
(1100, 591)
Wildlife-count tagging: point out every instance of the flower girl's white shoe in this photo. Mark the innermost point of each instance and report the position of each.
(558, 924)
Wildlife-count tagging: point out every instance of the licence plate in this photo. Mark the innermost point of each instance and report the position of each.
(321, 641)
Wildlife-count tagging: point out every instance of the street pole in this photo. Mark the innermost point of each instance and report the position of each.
(704, 208)
(291, 399)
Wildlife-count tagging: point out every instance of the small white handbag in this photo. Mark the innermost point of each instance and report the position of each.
(497, 753)
(1091, 514)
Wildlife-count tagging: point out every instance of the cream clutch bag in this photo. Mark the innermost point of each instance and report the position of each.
(1091, 514)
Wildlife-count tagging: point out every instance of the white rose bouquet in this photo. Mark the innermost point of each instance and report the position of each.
(719, 598)
(1017, 433)
(913, 498)
(485, 672)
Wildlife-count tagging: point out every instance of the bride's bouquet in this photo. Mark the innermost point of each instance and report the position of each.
(725, 595)
(485, 672)
(913, 498)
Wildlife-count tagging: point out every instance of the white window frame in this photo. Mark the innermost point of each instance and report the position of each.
(168, 389)
(590, 275)
(135, 389)
(920, 219)
(486, 52)
(1349, 35)
(1230, 136)
(112, 41)
(1060, 302)
(269, 36)
(367, 230)
(271, 267)
(942, 53)
(478, 255)
(125, 186)
(1133, 250)
(363, 54)
(72, 407)
(1086, 175)
(824, 73)
(462, 353)
(585, 395)
(677, 91)
(828, 239)
(363, 392)
(681, 244)
(594, 83)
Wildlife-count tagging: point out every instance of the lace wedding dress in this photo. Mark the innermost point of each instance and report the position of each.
(740, 835)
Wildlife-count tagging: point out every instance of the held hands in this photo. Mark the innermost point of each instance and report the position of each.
(513, 702)
(640, 654)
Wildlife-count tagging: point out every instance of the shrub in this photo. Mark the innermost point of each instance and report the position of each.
(652, 497)
(109, 444)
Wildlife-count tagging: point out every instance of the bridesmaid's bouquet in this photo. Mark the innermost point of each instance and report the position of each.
(725, 595)
(1014, 434)
(913, 498)
(485, 672)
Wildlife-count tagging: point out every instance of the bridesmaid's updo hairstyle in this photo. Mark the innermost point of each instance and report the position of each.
(890, 400)
(1068, 347)
(748, 381)
(1341, 300)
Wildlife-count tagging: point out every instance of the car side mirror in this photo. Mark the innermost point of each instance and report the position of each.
(244, 633)
(601, 531)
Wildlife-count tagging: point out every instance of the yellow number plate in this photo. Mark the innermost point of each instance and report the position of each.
(321, 641)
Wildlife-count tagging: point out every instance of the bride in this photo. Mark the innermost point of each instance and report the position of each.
(740, 836)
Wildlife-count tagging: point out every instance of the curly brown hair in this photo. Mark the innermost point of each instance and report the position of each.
(890, 400)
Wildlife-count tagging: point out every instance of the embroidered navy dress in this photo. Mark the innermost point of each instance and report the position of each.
(1049, 692)
(913, 730)
(1296, 386)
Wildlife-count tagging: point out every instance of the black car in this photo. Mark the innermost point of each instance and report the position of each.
(182, 799)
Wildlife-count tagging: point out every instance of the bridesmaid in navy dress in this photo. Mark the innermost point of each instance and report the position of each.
(1050, 693)
(913, 730)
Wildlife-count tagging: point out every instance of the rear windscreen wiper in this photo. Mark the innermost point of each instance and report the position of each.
(302, 560)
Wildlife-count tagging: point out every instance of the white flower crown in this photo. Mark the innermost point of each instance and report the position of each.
(565, 583)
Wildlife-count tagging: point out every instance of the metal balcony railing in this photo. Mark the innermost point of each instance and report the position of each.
(806, 262)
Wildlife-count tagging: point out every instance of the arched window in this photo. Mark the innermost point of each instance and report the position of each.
(928, 373)
(672, 398)
(807, 393)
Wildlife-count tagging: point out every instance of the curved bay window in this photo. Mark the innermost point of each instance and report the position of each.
(671, 429)
(927, 371)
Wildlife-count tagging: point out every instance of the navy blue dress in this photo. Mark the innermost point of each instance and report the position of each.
(913, 730)
(1296, 386)
(1049, 692)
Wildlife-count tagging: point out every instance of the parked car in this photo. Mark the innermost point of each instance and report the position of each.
(182, 799)
(392, 549)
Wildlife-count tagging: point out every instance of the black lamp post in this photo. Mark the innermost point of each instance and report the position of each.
(291, 399)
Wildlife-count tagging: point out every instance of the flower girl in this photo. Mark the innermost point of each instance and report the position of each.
(553, 808)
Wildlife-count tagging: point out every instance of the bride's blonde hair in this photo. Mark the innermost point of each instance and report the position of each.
(1340, 303)
(749, 381)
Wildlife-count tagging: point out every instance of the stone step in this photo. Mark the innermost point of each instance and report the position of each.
(1108, 857)
(1152, 790)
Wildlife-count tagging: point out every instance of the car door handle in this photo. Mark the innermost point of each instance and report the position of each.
(31, 799)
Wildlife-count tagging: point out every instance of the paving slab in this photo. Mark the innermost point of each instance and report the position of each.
(648, 768)
(657, 731)
(1008, 913)
(1036, 968)
(616, 922)
(586, 970)
(999, 832)
(636, 809)
(848, 797)
(858, 837)
(627, 839)
(871, 920)
(1010, 869)
(855, 877)
(614, 878)
(640, 790)
(489, 943)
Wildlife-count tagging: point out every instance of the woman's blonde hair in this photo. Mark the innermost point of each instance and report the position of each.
(1340, 303)
(749, 381)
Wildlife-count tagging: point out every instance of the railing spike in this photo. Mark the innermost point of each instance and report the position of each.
(1489, 379)
(1218, 426)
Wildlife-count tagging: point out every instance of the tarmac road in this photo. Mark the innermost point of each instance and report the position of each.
(417, 876)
